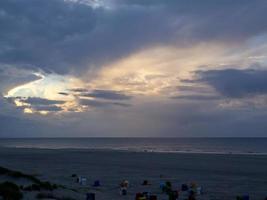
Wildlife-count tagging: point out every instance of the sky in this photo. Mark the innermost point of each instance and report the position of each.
(133, 68)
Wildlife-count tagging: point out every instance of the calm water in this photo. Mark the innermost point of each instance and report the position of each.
(174, 145)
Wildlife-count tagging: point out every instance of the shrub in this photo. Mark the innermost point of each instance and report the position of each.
(51, 196)
(47, 185)
(33, 187)
(45, 196)
(65, 198)
(41, 186)
(10, 191)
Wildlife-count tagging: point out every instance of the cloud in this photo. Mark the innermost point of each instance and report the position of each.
(106, 94)
(235, 83)
(36, 104)
(35, 33)
(135, 48)
(71, 36)
(78, 90)
(63, 93)
(193, 88)
(121, 104)
(11, 76)
(48, 108)
(64, 36)
(101, 104)
(198, 97)
(40, 101)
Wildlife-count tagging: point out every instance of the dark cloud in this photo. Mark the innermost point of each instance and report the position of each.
(106, 94)
(121, 104)
(52, 108)
(57, 35)
(210, 20)
(37, 104)
(236, 83)
(93, 103)
(36, 32)
(97, 103)
(193, 88)
(41, 101)
(11, 77)
(60, 36)
(198, 97)
(78, 90)
(63, 93)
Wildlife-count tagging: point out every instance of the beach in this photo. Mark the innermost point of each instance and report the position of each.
(222, 176)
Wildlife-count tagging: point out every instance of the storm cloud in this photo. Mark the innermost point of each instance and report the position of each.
(106, 94)
(51, 108)
(101, 104)
(197, 97)
(236, 83)
(41, 101)
(63, 36)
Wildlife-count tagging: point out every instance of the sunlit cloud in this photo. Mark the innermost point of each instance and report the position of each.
(45, 91)
(140, 74)
(93, 3)
(158, 70)
(28, 110)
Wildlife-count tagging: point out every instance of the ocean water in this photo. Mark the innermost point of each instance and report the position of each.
(164, 145)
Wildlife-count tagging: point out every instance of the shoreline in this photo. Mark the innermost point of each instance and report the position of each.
(136, 151)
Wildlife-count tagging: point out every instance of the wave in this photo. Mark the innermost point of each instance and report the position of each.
(136, 150)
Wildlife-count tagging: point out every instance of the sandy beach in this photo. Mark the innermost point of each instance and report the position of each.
(221, 176)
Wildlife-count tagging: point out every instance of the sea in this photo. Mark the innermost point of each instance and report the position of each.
(257, 146)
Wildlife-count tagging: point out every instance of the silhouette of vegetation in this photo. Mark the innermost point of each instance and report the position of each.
(17, 174)
(10, 191)
(37, 183)
(51, 196)
(41, 186)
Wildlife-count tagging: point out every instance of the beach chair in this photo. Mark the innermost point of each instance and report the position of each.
(162, 186)
(140, 196)
(244, 197)
(90, 196)
(173, 195)
(238, 198)
(199, 190)
(123, 191)
(184, 187)
(145, 182)
(83, 181)
(153, 197)
(96, 183)
(191, 195)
